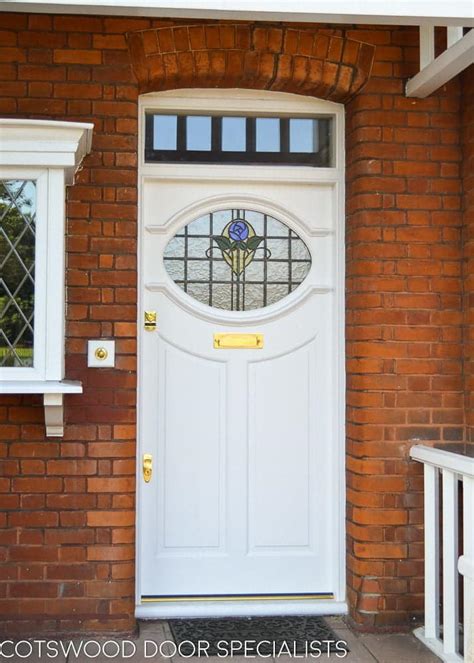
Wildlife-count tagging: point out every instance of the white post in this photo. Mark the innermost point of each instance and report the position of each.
(431, 481)
(450, 563)
(427, 45)
(468, 570)
(437, 72)
(454, 34)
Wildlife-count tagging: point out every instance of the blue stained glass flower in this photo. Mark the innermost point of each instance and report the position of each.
(239, 231)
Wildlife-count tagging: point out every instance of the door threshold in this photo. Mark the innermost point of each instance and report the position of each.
(242, 606)
(238, 597)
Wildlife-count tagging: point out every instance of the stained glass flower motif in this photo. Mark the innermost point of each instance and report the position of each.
(238, 244)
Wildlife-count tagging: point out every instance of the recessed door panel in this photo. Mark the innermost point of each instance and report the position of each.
(193, 449)
(281, 429)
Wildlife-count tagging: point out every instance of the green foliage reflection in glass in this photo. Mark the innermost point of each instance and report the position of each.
(237, 259)
(17, 264)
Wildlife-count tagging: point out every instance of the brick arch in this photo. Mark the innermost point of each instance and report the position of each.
(280, 58)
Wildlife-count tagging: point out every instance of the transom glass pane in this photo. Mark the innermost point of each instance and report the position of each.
(198, 133)
(303, 135)
(237, 259)
(17, 265)
(268, 134)
(234, 134)
(165, 132)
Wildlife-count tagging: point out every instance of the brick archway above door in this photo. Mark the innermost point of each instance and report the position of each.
(265, 57)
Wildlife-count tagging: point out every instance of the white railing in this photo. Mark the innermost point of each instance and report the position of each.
(443, 638)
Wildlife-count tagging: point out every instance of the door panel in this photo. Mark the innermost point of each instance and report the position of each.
(191, 469)
(280, 419)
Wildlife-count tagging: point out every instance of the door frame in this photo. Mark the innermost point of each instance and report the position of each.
(263, 103)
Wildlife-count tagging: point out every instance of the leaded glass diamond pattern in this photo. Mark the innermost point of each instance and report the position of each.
(17, 264)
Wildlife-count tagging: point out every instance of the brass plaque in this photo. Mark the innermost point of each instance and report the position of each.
(238, 341)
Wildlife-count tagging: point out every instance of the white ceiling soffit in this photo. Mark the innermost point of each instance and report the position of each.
(396, 12)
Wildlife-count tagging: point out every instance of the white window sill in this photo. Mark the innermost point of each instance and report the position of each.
(40, 387)
(53, 392)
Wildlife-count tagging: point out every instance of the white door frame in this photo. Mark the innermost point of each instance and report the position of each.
(264, 103)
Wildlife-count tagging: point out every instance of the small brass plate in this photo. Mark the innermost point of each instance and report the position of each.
(150, 320)
(238, 341)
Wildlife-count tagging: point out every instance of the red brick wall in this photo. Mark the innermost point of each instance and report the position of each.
(67, 547)
(68, 544)
(404, 321)
(468, 186)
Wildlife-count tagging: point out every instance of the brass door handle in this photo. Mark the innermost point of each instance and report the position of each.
(147, 467)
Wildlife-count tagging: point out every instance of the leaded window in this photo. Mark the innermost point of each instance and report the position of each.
(237, 259)
(17, 272)
(38, 160)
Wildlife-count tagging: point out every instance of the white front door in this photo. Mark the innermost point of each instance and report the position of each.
(244, 497)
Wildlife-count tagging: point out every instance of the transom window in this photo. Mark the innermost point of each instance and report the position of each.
(239, 139)
(237, 259)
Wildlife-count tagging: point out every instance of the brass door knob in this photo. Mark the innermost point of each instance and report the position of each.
(101, 353)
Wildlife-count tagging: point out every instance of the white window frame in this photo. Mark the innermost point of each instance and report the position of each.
(49, 153)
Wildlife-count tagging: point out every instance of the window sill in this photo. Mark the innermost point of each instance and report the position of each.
(40, 387)
(53, 392)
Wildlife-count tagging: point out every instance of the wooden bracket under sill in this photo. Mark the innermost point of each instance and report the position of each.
(53, 396)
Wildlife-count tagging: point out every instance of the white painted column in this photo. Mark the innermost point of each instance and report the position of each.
(454, 34)
(466, 566)
(431, 481)
(427, 45)
(450, 563)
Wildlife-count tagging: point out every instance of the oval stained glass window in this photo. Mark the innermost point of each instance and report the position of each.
(237, 259)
